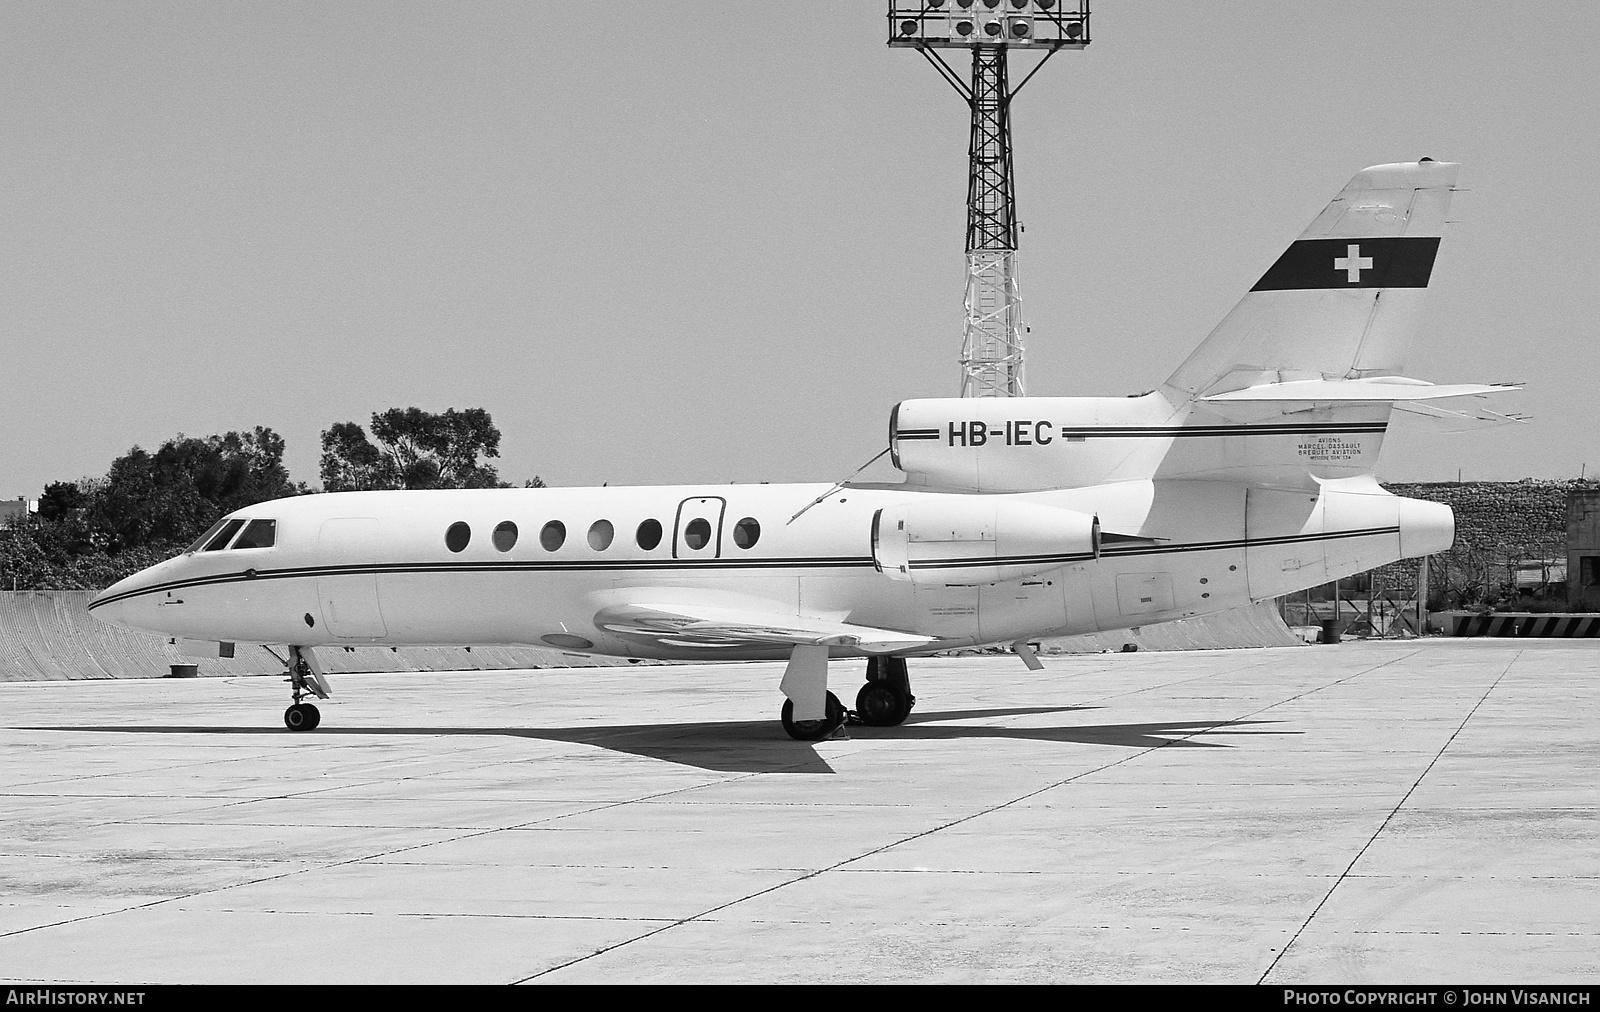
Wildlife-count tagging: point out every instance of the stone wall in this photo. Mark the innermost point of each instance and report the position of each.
(1498, 524)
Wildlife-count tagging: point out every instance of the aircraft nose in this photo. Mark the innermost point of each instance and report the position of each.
(125, 602)
(111, 604)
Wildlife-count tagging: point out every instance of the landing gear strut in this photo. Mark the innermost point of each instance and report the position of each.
(305, 679)
(886, 699)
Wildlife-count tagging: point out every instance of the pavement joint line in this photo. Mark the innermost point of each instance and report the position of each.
(967, 818)
(357, 860)
(1104, 784)
(706, 914)
(1385, 823)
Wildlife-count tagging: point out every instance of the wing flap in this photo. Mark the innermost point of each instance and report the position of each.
(710, 626)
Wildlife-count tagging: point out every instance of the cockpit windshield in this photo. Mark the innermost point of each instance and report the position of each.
(260, 534)
(203, 539)
(223, 536)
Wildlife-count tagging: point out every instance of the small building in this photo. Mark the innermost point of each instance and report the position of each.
(20, 506)
(1583, 548)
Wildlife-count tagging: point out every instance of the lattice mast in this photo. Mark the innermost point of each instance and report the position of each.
(991, 345)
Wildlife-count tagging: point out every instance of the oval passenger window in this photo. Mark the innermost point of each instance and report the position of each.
(553, 536)
(649, 534)
(457, 536)
(600, 534)
(505, 536)
(746, 532)
(697, 534)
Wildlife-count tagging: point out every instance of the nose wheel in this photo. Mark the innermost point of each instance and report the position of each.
(305, 679)
(301, 717)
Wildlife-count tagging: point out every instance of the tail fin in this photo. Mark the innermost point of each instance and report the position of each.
(1343, 300)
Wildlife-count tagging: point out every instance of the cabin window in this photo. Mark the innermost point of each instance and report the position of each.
(698, 534)
(223, 536)
(505, 536)
(260, 534)
(600, 534)
(200, 542)
(457, 536)
(553, 536)
(649, 534)
(746, 533)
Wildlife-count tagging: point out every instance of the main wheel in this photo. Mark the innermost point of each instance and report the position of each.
(882, 704)
(813, 730)
(301, 717)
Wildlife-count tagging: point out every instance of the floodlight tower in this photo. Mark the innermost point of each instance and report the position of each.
(991, 346)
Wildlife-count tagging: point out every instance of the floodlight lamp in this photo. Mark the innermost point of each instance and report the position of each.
(1021, 28)
(991, 4)
(1019, 4)
(992, 29)
(934, 5)
(908, 27)
(1045, 5)
(963, 4)
(963, 27)
(1074, 30)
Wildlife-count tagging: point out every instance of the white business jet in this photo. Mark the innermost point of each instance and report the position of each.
(1247, 475)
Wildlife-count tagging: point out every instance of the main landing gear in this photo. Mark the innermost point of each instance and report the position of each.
(305, 678)
(813, 730)
(886, 699)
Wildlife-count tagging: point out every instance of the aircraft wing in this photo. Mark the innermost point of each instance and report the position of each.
(681, 625)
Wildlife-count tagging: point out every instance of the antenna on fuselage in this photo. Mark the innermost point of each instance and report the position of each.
(837, 486)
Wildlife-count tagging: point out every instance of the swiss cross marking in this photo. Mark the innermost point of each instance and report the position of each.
(1352, 263)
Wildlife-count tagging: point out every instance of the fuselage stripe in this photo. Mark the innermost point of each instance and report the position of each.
(1199, 546)
(679, 565)
(1177, 431)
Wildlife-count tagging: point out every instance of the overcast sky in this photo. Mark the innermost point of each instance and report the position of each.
(694, 242)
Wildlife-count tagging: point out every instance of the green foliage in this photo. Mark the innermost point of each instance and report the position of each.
(172, 495)
(414, 449)
(92, 532)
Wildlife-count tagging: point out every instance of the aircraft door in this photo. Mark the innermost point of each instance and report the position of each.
(697, 533)
(350, 600)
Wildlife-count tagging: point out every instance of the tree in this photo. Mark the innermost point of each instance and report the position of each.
(414, 449)
(170, 496)
(92, 532)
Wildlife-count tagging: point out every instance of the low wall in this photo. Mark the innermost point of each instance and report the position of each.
(48, 635)
(1257, 625)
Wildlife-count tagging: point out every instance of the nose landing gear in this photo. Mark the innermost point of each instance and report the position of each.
(305, 678)
(301, 717)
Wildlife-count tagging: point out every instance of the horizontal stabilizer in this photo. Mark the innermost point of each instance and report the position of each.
(700, 626)
(1448, 420)
(1380, 388)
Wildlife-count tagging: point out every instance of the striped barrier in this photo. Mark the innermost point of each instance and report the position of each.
(1527, 625)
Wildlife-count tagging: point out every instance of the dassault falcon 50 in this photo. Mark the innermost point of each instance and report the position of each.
(1247, 475)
